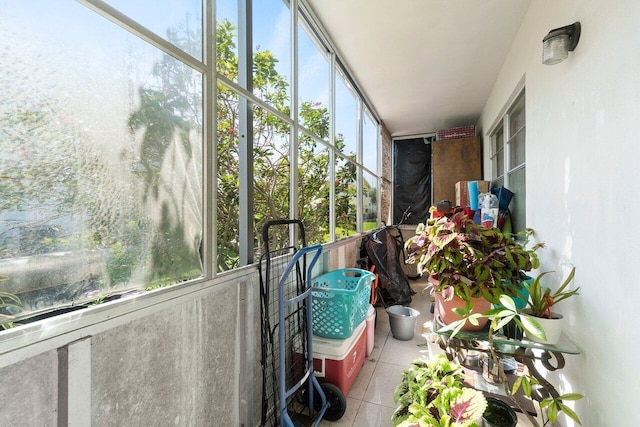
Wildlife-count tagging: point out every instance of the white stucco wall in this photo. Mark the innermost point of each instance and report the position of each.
(583, 171)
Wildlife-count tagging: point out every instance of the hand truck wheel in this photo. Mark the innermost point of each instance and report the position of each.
(336, 400)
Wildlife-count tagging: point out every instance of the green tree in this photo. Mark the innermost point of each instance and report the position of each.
(271, 156)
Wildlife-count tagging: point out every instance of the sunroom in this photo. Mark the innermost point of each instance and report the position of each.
(145, 145)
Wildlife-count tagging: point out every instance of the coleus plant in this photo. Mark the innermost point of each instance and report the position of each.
(471, 260)
(431, 394)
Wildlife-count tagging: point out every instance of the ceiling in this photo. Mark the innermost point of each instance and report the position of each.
(424, 65)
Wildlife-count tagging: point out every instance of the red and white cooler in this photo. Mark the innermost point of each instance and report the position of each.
(338, 362)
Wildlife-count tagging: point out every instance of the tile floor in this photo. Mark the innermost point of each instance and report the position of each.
(370, 400)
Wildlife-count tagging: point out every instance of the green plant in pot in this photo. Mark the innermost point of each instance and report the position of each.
(473, 264)
(499, 414)
(540, 303)
(432, 394)
(551, 402)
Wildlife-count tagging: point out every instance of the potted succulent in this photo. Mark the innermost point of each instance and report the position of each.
(470, 263)
(432, 394)
(541, 300)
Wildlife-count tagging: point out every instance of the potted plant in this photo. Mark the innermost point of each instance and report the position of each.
(471, 264)
(551, 402)
(541, 300)
(499, 414)
(432, 394)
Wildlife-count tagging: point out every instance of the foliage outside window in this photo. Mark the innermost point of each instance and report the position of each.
(313, 189)
(369, 201)
(101, 161)
(345, 195)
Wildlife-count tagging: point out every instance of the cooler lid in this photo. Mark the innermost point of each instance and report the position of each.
(336, 347)
(371, 311)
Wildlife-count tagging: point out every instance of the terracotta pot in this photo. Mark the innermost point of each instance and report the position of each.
(445, 312)
(552, 327)
(444, 308)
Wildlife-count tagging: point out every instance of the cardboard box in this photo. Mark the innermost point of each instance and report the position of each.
(462, 191)
(338, 362)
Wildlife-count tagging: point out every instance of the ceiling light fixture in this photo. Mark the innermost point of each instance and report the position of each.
(559, 42)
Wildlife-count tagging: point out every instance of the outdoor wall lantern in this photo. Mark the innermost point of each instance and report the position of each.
(559, 42)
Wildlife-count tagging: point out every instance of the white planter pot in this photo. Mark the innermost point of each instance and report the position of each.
(552, 328)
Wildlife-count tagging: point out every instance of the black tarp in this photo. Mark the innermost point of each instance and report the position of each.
(412, 179)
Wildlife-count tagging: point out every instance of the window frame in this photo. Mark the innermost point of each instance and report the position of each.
(502, 137)
(242, 87)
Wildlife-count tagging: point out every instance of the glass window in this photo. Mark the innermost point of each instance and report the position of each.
(498, 156)
(516, 168)
(369, 201)
(369, 142)
(313, 189)
(346, 118)
(346, 193)
(228, 185)
(227, 38)
(101, 159)
(271, 170)
(101, 146)
(517, 149)
(518, 186)
(272, 52)
(313, 90)
(170, 19)
(517, 116)
(509, 159)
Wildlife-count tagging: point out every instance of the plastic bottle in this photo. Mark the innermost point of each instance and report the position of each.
(489, 210)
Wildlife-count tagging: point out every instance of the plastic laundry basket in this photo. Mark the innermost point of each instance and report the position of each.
(340, 300)
(402, 321)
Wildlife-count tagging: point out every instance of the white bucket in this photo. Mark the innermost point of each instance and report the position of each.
(371, 328)
(402, 321)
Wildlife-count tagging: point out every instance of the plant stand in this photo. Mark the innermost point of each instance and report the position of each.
(523, 350)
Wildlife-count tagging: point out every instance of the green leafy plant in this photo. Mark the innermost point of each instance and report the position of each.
(472, 260)
(431, 394)
(541, 300)
(554, 403)
(9, 303)
(551, 404)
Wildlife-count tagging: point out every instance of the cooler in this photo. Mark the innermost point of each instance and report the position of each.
(338, 362)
